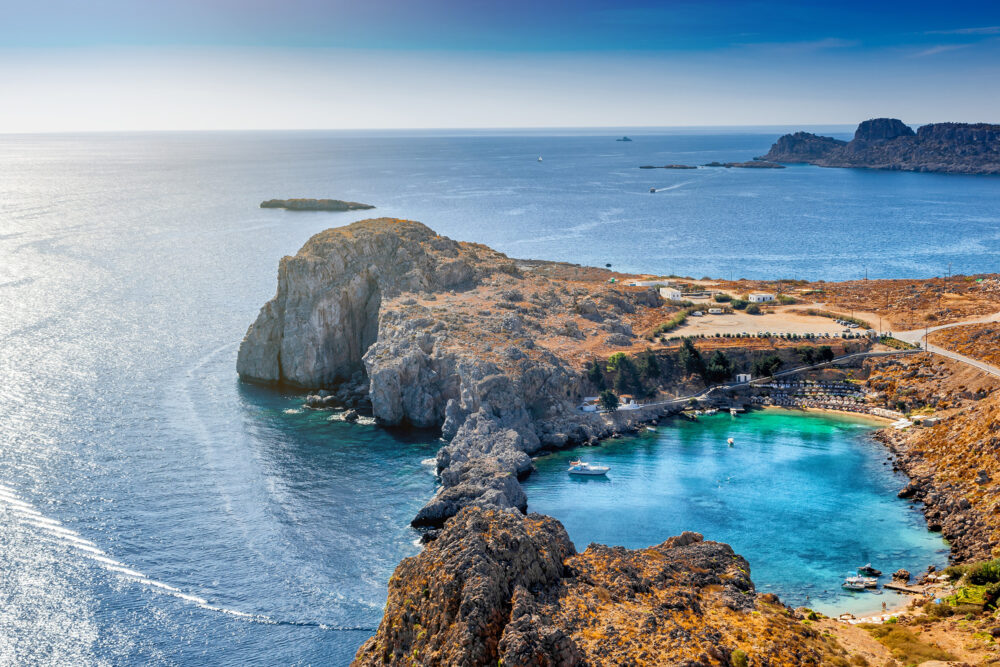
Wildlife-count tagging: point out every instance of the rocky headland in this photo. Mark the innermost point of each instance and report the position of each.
(387, 315)
(441, 334)
(888, 143)
(499, 588)
(315, 205)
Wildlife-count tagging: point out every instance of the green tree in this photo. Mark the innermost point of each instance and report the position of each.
(720, 368)
(808, 354)
(615, 359)
(627, 379)
(739, 304)
(608, 400)
(825, 353)
(690, 358)
(722, 297)
(753, 309)
(767, 366)
(647, 364)
(596, 374)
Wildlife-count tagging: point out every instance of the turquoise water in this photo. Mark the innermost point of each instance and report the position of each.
(804, 498)
(131, 265)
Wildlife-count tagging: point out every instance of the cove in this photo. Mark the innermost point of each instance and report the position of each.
(804, 497)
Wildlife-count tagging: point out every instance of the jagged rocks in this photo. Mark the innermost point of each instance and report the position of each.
(888, 143)
(324, 316)
(495, 587)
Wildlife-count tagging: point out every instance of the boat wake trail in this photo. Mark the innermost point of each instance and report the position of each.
(51, 531)
(673, 187)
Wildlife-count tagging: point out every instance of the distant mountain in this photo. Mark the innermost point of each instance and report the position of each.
(888, 143)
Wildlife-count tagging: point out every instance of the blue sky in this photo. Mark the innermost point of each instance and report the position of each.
(221, 64)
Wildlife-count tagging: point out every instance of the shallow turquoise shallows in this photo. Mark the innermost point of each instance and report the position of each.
(804, 497)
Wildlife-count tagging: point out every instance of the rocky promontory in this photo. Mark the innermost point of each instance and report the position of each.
(315, 205)
(888, 143)
(500, 588)
(447, 335)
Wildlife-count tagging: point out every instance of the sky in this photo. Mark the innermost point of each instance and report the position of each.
(106, 65)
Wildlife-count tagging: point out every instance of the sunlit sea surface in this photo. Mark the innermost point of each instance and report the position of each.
(155, 511)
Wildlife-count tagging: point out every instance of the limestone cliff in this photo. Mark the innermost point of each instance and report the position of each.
(888, 143)
(324, 316)
(498, 588)
(450, 335)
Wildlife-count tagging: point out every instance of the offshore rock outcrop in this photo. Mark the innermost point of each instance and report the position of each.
(446, 337)
(888, 143)
(499, 588)
(315, 205)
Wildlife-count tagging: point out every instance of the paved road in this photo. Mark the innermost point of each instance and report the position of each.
(919, 337)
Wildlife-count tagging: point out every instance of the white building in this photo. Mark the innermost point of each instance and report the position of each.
(646, 283)
(742, 377)
(670, 294)
(760, 297)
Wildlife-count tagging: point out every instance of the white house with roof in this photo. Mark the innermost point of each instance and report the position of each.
(760, 297)
(670, 293)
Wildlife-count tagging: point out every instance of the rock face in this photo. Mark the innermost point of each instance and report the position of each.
(323, 319)
(445, 336)
(887, 143)
(496, 587)
(802, 147)
(315, 205)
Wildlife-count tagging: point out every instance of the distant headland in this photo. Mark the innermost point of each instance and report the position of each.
(315, 205)
(888, 143)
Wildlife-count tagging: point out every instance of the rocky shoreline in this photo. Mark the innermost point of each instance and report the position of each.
(359, 308)
(888, 143)
(389, 317)
(500, 588)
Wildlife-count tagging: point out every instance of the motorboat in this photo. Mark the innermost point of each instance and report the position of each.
(539, 158)
(855, 584)
(653, 190)
(582, 468)
(869, 571)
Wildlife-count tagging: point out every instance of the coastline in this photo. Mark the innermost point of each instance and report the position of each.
(857, 416)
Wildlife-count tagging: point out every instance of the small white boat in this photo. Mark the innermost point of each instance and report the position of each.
(855, 584)
(581, 468)
(539, 158)
(650, 428)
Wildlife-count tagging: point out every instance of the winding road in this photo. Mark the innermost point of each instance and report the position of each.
(919, 336)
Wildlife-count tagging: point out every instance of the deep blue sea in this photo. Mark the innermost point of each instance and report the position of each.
(155, 511)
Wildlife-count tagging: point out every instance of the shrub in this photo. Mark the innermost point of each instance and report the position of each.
(721, 297)
(753, 309)
(904, 645)
(987, 572)
(739, 658)
(608, 400)
(739, 304)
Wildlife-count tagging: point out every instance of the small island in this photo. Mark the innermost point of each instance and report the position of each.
(315, 205)
(888, 143)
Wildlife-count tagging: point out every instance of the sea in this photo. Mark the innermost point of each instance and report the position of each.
(156, 511)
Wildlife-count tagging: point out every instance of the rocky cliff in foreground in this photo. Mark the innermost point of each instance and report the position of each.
(888, 143)
(450, 335)
(499, 588)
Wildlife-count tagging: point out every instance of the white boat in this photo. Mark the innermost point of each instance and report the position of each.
(539, 158)
(855, 583)
(650, 428)
(581, 468)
